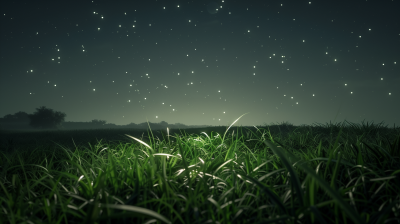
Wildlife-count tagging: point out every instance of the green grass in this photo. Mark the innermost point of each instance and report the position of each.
(313, 175)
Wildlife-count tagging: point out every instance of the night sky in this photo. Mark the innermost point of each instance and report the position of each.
(203, 62)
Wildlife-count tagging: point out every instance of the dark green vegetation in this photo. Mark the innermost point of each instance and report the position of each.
(277, 174)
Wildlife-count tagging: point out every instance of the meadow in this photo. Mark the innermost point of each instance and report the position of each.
(276, 174)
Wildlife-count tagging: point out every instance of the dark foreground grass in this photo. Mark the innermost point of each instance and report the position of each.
(335, 175)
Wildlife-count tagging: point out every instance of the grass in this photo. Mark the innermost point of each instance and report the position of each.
(313, 175)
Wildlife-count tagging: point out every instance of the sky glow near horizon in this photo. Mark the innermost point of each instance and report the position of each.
(203, 62)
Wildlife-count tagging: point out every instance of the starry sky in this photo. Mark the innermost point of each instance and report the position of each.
(203, 62)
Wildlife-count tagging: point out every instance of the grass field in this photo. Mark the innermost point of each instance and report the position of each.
(325, 174)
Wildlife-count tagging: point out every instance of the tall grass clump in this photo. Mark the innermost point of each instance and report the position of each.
(332, 174)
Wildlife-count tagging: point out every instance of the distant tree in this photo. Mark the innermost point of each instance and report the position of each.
(163, 123)
(46, 118)
(99, 122)
(22, 116)
(10, 118)
(17, 117)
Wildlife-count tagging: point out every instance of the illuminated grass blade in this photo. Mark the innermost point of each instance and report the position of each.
(141, 211)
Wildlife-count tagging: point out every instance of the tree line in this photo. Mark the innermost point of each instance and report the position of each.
(46, 118)
(43, 118)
